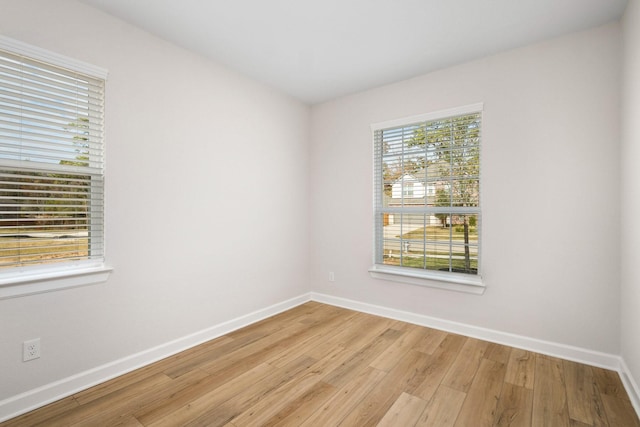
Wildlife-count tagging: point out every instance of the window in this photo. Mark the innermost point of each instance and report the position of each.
(434, 234)
(51, 164)
(408, 189)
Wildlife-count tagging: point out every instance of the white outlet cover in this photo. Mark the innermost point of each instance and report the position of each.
(31, 350)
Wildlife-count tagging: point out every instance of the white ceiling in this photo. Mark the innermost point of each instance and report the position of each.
(316, 50)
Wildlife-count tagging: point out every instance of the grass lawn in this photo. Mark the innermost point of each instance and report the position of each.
(25, 251)
(440, 263)
(435, 259)
(441, 233)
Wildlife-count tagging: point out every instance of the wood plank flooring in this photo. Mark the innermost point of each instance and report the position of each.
(318, 365)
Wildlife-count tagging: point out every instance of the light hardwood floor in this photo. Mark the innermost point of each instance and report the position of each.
(318, 365)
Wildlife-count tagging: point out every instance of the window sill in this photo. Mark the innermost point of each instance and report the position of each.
(434, 279)
(51, 279)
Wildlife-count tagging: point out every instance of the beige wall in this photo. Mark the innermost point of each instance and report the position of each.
(206, 189)
(550, 199)
(630, 214)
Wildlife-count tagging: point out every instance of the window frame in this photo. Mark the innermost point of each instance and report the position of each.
(26, 280)
(463, 282)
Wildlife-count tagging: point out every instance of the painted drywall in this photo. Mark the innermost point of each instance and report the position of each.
(206, 199)
(550, 198)
(630, 185)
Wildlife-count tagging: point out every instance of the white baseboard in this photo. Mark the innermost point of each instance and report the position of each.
(630, 385)
(563, 351)
(32, 399)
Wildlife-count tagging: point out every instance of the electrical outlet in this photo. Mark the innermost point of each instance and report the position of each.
(31, 349)
(332, 277)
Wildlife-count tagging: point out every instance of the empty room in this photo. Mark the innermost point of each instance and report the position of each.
(319, 213)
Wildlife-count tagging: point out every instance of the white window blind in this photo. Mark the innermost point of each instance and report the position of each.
(438, 229)
(51, 163)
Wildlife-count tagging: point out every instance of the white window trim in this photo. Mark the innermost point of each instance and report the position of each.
(39, 54)
(48, 278)
(457, 111)
(434, 279)
(37, 281)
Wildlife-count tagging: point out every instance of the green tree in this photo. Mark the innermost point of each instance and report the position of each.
(451, 147)
(80, 141)
(443, 198)
(64, 196)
